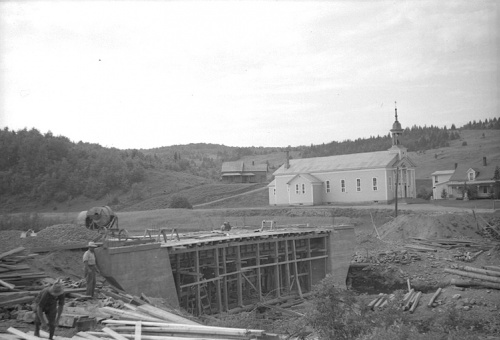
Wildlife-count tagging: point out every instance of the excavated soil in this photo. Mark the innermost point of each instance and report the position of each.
(390, 265)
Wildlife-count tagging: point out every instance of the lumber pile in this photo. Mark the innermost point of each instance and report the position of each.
(435, 244)
(16, 278)
(13, 273)
(403, 257)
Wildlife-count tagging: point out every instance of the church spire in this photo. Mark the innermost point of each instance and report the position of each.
(396, 128)
(396, 132)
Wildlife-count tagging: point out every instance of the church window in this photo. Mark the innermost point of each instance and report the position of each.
(358, 184)
(342, 185)
(328, 189)
(303, 188)
(374, 183)
(297, 189)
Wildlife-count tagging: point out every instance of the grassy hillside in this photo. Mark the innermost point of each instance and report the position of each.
(445, 158)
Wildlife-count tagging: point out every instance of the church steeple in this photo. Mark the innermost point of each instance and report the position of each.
(396, 132)
(396, 128)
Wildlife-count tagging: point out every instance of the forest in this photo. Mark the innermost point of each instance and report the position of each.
(45, 167)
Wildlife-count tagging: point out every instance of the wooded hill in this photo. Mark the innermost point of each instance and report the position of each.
(48, 169)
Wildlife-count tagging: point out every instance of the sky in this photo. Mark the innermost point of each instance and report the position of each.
(146, 74)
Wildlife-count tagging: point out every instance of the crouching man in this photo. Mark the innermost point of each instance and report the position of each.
(49, 306)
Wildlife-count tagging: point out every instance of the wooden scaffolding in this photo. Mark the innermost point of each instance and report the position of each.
(224, 274)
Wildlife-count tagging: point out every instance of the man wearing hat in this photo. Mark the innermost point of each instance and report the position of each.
(49, 306)
(90, 268)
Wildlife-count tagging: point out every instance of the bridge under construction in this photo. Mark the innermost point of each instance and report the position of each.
(215, 272)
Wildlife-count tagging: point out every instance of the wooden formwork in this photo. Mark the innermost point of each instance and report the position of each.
(232, 272)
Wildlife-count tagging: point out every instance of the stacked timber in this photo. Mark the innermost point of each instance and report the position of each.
(17, 280)
(488, 278)
(424, 244)
(402, 257)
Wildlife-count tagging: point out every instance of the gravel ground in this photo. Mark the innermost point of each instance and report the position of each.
(56, 235)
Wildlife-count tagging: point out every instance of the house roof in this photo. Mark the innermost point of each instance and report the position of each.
(442, 172)
(367, 160)
(307, 177)
(242, 167)
(483, 173)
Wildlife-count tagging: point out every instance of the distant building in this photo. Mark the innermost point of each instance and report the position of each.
(239, 172)
(477, 177)
(354, 178)
(440, 182)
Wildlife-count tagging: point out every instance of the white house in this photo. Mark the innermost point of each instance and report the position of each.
(353, 178)
(479, 178)
(440, 181)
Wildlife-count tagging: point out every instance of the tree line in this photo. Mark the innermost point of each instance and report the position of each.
(416, 138)
(45, 167)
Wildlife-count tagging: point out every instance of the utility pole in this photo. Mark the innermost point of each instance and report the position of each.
(396, 193)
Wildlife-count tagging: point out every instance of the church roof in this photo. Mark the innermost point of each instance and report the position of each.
(367, 160)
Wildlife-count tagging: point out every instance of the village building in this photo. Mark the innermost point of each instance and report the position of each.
(478, 180)
(440, 182)
(355, 178)
(239, 172)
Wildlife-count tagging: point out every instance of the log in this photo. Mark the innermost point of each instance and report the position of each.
(408, 295)
(380, 301)
(419, 248)
(415, 302)
(409, 301)
(494, 268)
(374, 301)
(481, 271)
(431, 301)
(482, 284)
(473, 275)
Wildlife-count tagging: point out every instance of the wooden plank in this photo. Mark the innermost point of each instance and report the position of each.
(138, 331)
(197, 279)
(126, 314)
(164, 315)
(58, 248)
(224, 268)
(277, 278)
(294, 255)
(218, 283)
(88, 336)
(259, 281)
(20, 334)
(287, 268)
(239, 287)
(13, 251)
(195, 329)
(24, 299)
(113, 334)
(7, 285)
